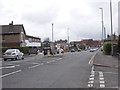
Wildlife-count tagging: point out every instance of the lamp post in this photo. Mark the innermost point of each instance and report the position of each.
(104, 33)
(102, 22)
(68, 37)
(52, 32)
(68, 34)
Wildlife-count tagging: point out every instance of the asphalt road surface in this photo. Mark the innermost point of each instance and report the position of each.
(70, 70)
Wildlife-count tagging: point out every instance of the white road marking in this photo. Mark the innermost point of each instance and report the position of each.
(92, 75)
(47, 62)
(10, 73)
(102, 85)
(90, 85)
(7, 67)
(17, 65)
(53, 60)
(100, 72)
(92, 59)
(91, 82)
(92, 72)
(36, 65)
(102, 82)
(91, 78)
(59, 58)
(101, 78)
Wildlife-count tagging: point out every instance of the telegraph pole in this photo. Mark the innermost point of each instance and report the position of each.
(111, 28)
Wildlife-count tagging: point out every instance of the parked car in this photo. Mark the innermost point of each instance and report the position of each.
(79, 50)
(92, 50)
(62, 51)
(72, 50)
(13, 54)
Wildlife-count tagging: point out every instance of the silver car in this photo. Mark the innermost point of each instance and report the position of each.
(13, 54)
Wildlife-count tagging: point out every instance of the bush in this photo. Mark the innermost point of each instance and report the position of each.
(81, 47)
(107, 48)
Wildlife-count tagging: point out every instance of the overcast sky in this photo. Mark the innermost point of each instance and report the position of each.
(82, 17)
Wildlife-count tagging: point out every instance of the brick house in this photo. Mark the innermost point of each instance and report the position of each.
(32, 41)
(13, 35)
(87, 42)
(62, 44)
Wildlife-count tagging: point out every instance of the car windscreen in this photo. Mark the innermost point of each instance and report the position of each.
(10, 51)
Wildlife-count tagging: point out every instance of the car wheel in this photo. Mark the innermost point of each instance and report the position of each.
(17, 58)
(5, 59)
(22, 57)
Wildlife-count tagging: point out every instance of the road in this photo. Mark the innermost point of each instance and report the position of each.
(70, 70)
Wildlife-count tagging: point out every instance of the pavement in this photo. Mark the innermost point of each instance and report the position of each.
(105, 60)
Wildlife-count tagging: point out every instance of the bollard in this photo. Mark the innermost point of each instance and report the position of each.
(48, 53)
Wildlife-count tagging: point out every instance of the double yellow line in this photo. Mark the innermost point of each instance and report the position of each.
(92, 59)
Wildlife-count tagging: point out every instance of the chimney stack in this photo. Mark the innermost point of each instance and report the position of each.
(11, 26)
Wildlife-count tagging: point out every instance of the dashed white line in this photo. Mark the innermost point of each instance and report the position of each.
(53, 60)
(90, 85)
(102, 82)
(91, 78)
(35, 65)
(91, 82)
(101, 78)
(47, 62)
(92, 75)
(59, 58)
(7, 67)
(102, 85)
(11, 73)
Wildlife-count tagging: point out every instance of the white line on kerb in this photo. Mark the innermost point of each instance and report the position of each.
(10, 73)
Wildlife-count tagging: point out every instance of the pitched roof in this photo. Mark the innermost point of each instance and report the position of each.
(16, 29)
(113, 37)
(33, 37)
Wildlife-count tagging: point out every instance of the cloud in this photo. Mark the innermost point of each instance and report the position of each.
(82, 17)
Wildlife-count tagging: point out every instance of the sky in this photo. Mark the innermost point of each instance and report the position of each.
(82, 18)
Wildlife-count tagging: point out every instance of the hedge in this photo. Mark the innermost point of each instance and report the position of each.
(107, 48)
(25, 50)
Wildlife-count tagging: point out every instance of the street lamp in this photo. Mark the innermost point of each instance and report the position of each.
(52, 32)
(68, 34)
(68, 37)
(104, 33)
(102, 21)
